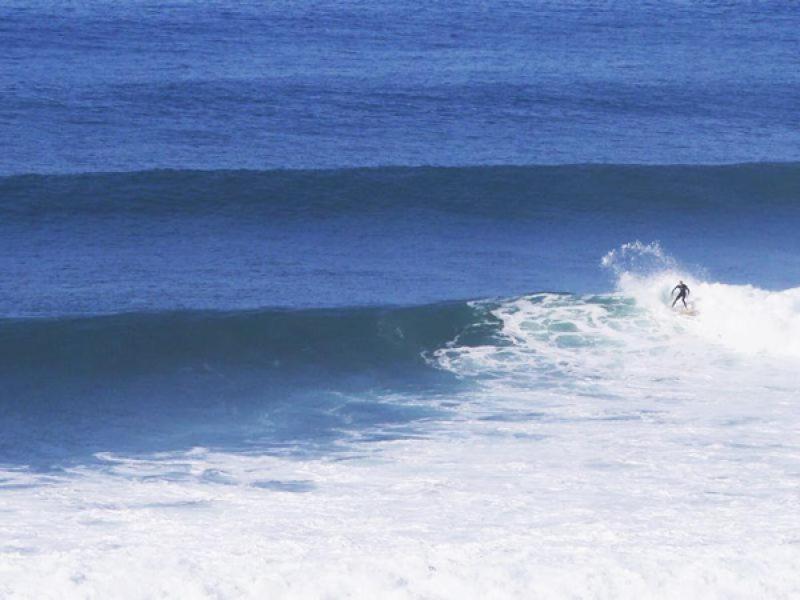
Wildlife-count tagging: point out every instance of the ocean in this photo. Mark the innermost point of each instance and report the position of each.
(373, 300)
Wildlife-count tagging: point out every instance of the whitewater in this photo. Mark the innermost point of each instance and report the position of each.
(588, 446)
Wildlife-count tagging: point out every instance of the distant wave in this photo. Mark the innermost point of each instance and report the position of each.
(530, 191)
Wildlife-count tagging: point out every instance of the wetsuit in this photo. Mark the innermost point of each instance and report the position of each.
(683, 291)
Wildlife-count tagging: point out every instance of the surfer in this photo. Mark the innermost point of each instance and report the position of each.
(683, 291)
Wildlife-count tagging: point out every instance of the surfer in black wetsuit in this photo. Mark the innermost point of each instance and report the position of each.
(683, 291)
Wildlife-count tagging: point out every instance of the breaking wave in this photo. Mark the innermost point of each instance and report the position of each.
(273, 377)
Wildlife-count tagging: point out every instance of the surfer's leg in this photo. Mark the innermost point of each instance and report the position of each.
(674, 302)
(683, 298)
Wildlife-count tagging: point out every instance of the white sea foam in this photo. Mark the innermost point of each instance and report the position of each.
(611, 447)
(742, 318)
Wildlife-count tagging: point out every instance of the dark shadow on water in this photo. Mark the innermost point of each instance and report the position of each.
(515, 416)
(47, 428)
(19, 486)
(294, 485)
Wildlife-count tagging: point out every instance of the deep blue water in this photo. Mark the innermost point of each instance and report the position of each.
(131, 85)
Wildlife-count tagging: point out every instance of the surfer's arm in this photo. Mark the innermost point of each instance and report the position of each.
(673, 290)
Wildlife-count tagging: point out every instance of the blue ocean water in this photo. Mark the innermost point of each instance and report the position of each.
(106, 86)
(400, 255)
